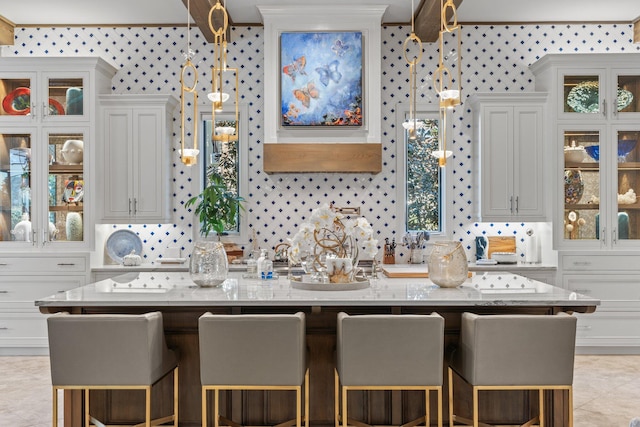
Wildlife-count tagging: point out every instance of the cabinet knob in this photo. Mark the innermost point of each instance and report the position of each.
(66, 264)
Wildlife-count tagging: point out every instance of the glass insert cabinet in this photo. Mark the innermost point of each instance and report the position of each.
(47, 127)
(598, 118)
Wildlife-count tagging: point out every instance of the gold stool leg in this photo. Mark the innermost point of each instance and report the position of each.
(336, 397)
(204, 407)
(439, 406)
(216, 407)
(306, 398)
(344, 406)
(55, 407)
(570, 403)
(475, 407)
(298, 406)
(427, 414)
(541, 404)
(450, 378)
(147, 407)
(176, 395)
(87, 419)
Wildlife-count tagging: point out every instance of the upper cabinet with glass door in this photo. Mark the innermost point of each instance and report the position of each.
(595, 114)
(47, 151)
(50, 90)
(591, 86)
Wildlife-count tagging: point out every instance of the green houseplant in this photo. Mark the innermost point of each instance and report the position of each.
(217, 208)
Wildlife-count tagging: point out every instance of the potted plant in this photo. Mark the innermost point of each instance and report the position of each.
(217, 208)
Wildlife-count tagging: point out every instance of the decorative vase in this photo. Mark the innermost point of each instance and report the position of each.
(573, 186)
(74, 227)
(209, 266)
(447, 264)
(73, 151)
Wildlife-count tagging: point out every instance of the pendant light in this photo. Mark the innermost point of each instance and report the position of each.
(189, 156)
(412, 51)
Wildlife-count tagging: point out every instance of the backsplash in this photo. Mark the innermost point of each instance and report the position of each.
(495, 59)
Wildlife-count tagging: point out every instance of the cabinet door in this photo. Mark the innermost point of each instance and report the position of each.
(527, 163)
(117, 164)
(17, 179)
(149, 171)
(625, 90)
(16, 101)
(497, 163)
(64, 96)
(625, 221)
(583, 94)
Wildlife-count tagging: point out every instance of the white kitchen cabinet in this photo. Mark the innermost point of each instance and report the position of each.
(509, 154)
(135, 150)
(47, 151)
(25, 278)
(615, 326)
(594, 108)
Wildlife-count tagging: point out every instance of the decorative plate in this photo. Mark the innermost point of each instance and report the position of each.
(18, 103)
(121, 243)
(583, 98)
(573, 186)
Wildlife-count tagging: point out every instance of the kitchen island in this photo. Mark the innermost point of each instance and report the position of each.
(181, 302)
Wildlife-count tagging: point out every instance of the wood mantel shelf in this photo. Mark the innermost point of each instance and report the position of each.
(321, 157)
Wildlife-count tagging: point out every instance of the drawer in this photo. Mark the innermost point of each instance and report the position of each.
(620, 329)
(616, 291)
(27, 289)
(43, 265)
(600, 262)
(19, 326)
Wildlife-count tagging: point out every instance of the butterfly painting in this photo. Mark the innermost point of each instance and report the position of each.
(340, 48)
(304, 94)
(329, 72)
(321, 79)
(296, 67)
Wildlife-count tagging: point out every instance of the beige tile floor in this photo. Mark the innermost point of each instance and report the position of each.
(606, 391)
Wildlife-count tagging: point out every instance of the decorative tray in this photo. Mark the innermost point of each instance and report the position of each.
(305, 283)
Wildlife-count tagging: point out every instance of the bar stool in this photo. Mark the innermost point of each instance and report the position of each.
(110, 352)
(253, 352)
(389, 352)
(514, 352)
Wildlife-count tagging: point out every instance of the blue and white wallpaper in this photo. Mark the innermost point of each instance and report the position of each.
(495, 58)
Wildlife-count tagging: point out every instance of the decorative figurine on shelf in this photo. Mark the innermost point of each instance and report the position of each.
(389, 252)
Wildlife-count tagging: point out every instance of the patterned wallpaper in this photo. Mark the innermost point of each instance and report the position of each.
(495, 58)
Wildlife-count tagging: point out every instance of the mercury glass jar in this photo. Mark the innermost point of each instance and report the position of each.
(447, 264)
(209, 266)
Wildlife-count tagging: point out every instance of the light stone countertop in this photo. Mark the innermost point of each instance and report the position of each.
(163, 289)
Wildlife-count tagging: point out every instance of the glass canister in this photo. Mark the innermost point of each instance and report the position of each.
(209, 266)
(447, 264)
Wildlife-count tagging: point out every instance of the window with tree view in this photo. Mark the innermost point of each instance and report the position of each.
(424, 178)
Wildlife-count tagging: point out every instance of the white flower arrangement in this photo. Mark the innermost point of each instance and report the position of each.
(327, 230)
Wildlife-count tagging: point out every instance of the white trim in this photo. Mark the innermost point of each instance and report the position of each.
(368, 20)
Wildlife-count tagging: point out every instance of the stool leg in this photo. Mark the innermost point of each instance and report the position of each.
(298, 406)
(147, 407)
(439, 406)
(570, 406)
(541, 404)
(306, 398)
(427, 415)
(87, 419)
(344, 406)
(216, 407)
(475, 407)
(450, 378)
(336, 397)
(55, 407)
(204, 407)
(176, 395)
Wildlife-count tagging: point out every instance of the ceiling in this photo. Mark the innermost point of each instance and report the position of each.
(154, 12)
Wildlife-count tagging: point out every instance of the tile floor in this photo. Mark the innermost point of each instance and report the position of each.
(606, 391)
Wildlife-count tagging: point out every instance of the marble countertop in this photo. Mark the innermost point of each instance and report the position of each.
(157, 266)
(162, 289)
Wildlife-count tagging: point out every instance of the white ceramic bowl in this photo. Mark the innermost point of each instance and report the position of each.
(72, 151)
(505, 257)
(574, 154)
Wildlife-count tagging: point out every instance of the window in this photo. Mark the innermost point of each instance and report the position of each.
(423, 202)
(230, 157)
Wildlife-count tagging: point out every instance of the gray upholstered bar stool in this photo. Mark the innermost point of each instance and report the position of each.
(389, 352)
(514, 352)
(110, 352)
(253, 352)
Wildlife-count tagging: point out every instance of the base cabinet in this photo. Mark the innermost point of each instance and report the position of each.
(23, 279)
(615, 326)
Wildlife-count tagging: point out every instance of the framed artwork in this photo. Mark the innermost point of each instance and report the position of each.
(321, 79)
